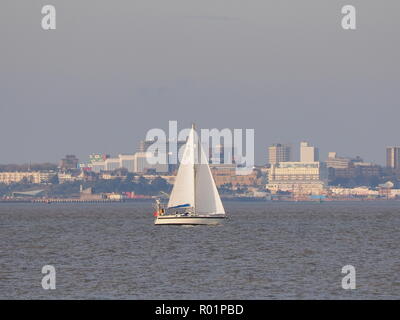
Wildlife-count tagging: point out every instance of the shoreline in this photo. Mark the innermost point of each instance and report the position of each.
(230, 199)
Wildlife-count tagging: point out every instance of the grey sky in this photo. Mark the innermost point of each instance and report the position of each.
(114, 69)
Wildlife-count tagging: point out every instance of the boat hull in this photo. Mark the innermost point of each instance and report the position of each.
(189, 220)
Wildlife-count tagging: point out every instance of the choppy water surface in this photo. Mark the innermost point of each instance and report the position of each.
(265, 251)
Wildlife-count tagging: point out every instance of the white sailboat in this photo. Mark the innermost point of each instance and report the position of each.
(194, 199)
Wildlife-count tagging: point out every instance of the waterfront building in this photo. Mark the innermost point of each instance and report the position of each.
(340, 167)
(350, 168)
(340, 192)
(224, 174)
(106, 175)
(367, 169)
(138, 163)
(69, 177)
(308, 153)
(278, 153)
(298, 177)
(36, 177)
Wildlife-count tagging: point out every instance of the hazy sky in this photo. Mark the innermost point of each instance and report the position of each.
(114, 69)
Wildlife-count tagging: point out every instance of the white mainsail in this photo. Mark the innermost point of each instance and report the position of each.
(194, 184)
(183, 190)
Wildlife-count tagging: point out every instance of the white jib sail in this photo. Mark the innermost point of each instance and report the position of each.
(207, 197)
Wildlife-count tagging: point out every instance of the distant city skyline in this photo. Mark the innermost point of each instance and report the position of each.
(292, 153)
(108, 74)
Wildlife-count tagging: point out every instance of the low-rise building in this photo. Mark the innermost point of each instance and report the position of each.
(367, 169)
(357, 191)
(350, 168)
(229, 174)
(140, 162)
(64, 177)
(336, 162)
(36, 177)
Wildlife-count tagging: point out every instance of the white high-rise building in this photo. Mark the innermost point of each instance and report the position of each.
(308, 153)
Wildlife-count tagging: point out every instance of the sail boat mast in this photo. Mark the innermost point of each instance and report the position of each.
(194, 166)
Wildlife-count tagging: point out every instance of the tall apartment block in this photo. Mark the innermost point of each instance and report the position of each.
(393, 157)
(278, 153)
(308, 153)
